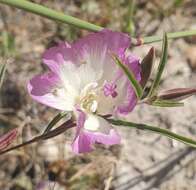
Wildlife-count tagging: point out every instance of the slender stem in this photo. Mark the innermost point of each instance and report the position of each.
(51, 14)
(50, 134)
(55, 15)
(160, 131)
(170, 35)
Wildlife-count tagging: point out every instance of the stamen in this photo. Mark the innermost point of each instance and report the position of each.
(89, 103)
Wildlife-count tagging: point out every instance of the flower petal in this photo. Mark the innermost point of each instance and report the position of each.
(42, 89)
(96, 48)
(58, 55)
(130, 98)
(82, 142)
(93, 129)
(100, 130)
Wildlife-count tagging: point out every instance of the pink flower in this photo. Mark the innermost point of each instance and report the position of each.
(84, 79)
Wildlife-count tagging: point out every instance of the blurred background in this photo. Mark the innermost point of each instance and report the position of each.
(143, 161)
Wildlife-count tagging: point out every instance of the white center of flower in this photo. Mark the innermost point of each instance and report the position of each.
(88, 98)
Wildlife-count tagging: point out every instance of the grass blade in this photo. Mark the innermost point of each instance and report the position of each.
(2, 73)
(135, 84)
(158, 130)
(55, 120)
(167, 103)
(163, 61)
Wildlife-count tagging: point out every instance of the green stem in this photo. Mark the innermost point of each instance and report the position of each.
(51, 14)
(160, 131)
(170, 35)
(58, 16)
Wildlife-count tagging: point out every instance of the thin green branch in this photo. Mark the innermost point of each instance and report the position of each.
(160, 131)
(170, 35)
(51, 14)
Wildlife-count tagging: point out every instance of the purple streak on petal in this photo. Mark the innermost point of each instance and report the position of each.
(109, 89)
(41, 89)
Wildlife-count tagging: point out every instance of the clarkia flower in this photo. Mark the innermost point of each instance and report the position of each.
(84, 79)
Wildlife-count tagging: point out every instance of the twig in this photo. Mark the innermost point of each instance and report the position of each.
(59, 130)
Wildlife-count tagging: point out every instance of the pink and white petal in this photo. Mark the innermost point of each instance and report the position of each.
(129, 102)
(81, 118)
(42, 84)
(41, 88)
(107, 139)
(130, 99)
(56, 56)
(133, 63)
(96, 49)
(100, 130)
(114, 41)
(82, 144)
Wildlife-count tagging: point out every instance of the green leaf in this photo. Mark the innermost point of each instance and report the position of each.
(135, 84)
(163, 61)
(2, 73)
(146, 67)
(158, 130)
(55, 120)
(167, 103)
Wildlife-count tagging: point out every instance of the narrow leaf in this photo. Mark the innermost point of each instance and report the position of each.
(135, 84)
(177, 94)
(163, 61)
(158, 130)
(146, 67)
(167, 103)
(2, 73)
(55, 120)
(8, 138)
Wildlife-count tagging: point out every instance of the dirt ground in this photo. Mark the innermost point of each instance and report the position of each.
(144, 161)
